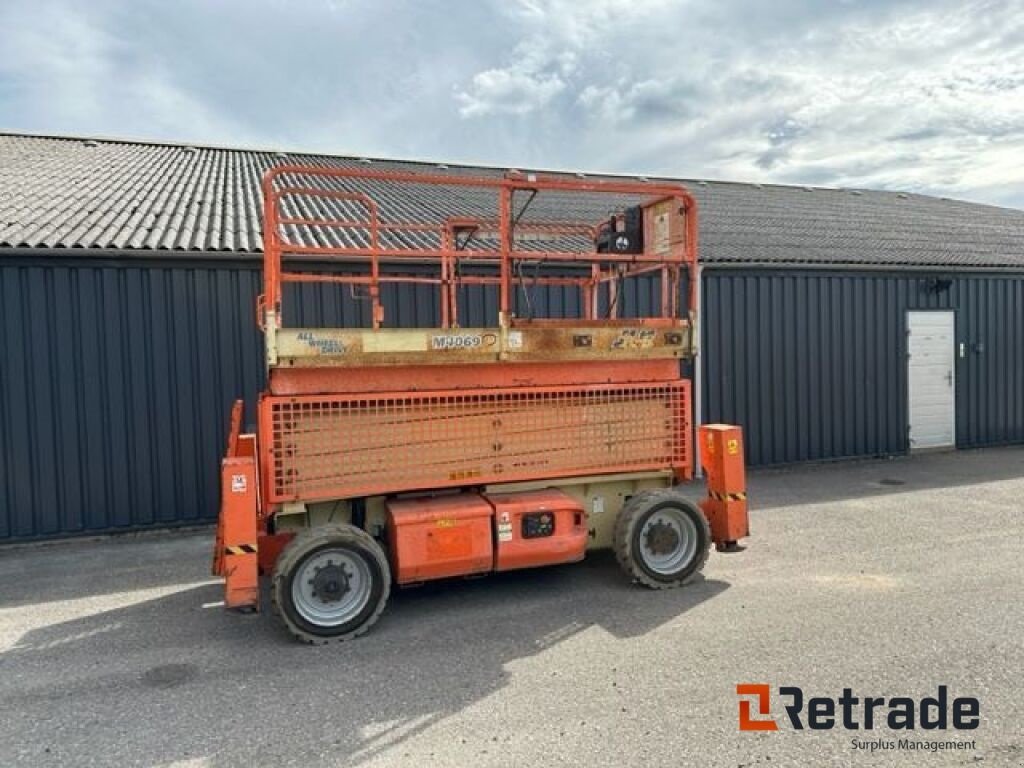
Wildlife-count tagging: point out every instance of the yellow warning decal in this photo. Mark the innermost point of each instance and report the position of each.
(241, 549)
(717, 496)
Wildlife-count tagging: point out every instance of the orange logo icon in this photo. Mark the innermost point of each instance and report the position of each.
(747, 723)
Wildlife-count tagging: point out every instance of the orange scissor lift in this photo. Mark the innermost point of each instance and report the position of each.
(557, 423)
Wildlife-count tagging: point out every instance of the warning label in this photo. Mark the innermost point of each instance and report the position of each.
(504, 531)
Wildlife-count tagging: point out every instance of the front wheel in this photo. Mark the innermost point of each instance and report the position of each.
(662, 539)
(331, 583)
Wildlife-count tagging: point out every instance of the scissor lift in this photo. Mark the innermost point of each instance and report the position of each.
(388, 454)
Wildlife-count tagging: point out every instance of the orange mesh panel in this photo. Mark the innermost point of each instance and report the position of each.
(335, 446)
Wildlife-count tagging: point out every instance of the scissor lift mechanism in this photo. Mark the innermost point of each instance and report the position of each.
(355, 419)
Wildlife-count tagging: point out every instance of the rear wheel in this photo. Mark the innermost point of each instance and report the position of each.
(331, 583)
(662, 539)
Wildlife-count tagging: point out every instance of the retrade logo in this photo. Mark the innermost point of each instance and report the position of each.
(853, 713)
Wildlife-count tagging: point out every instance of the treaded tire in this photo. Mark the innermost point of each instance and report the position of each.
(308, 543)
(629, 526)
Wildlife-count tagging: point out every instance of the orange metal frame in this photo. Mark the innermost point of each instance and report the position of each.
(721, 456)
(235, 550)
(335, 432)
(468, 376)
(381, 236)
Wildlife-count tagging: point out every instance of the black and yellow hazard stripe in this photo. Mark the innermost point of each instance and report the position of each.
(241, 549)
(718, 496)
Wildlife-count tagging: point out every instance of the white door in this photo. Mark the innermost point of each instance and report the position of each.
(931, 342)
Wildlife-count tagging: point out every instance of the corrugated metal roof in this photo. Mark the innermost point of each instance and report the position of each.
(67, 192)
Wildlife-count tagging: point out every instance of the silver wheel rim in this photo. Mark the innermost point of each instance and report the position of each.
(345, 602)
(668, 541)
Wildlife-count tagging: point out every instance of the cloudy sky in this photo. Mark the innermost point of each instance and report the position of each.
(920, 95)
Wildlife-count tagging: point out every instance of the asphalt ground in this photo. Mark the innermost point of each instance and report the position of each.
(887, 577)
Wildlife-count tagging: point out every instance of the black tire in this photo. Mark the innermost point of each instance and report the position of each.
(361, 580)
(659, 564)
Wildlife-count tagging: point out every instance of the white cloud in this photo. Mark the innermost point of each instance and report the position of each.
(925, 95)
(508, 91)
(923, 102)
(65, 68)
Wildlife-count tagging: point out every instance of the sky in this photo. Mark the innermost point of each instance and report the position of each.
(918, 95)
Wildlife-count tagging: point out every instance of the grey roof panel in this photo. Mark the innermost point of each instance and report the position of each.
(64, 192)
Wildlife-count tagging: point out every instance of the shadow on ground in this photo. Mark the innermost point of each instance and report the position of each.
(167, 679)
(97, 666)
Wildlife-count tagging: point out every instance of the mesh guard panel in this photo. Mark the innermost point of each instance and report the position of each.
(338, 446)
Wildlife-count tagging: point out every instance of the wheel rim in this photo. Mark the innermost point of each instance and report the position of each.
(332, 587)
(668, 541)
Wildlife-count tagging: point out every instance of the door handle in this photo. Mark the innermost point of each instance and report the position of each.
(949, 378)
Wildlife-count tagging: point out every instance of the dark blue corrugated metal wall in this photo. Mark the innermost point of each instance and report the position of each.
(117, 376)
(813, 364)
(115, 383)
